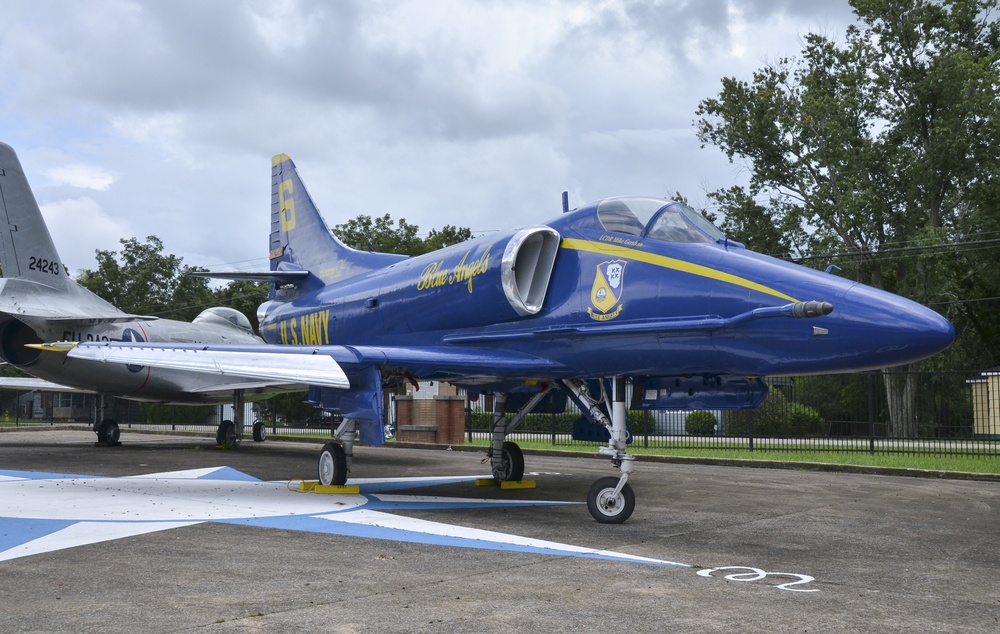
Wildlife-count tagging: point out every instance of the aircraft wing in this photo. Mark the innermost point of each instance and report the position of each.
(269, 365)
(254, 389)
(310, 365)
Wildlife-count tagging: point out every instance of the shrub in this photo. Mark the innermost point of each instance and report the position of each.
(700, 423)
(776, 416)
(804, 420)
(641, 422)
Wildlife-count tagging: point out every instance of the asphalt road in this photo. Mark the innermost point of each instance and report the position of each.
(811, 552)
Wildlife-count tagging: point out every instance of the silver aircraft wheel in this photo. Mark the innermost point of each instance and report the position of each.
(510, 467)
(332, 465)
(259, 432)
(605, 506)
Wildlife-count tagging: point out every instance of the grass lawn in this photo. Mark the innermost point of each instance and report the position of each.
(905, 457)
(930, 462)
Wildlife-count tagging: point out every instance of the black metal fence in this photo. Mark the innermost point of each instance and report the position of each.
(33, 408)
(889, 412)
(932, 413)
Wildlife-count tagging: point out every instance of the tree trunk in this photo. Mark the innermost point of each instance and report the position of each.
(901, 396)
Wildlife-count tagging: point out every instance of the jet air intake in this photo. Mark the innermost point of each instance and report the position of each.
(527, 266)
(470, 284)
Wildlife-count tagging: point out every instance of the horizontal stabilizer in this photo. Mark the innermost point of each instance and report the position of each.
(30, 299)
(276, 277)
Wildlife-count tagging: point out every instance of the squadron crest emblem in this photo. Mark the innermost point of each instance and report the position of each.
(607, 290)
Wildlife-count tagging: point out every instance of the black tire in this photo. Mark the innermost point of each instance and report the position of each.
(112, 432)
(108, 432)
(259, 432)
(226, 434)
(332, 465)
(607, 508)
(511, 466)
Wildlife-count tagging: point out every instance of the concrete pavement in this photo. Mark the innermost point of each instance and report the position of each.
(803, 551)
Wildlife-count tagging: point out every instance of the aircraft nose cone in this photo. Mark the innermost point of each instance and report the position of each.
(895, 329)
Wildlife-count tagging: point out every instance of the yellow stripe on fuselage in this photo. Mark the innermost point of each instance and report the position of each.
(669, 263)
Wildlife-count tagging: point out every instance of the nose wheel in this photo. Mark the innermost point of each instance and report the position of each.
(608, 503)
(332, 465)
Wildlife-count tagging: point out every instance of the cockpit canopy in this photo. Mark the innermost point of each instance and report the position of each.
(656, 219)
(224, 315)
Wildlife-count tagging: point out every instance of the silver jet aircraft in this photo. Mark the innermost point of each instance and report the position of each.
(40, 302)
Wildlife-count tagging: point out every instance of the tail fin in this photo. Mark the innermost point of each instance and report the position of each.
(301, 240)
(36, 283)
(26, 248)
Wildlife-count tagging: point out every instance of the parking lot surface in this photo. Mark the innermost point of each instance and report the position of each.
(762, 549)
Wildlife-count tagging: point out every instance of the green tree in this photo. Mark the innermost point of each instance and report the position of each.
(887, 141)
(447, 236)
(380, 234)
(386, 235)
(141, 279)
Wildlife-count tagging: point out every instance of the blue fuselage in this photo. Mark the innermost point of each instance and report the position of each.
(617, 304)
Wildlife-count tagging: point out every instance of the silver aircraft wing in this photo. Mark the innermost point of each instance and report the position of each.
(269, 367)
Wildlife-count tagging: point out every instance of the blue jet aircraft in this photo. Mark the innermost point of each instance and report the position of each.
(627, 302)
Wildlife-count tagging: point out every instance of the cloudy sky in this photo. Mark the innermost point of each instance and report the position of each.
(137, 118)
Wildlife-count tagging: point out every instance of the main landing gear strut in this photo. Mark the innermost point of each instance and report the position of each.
(610, 500)
(506, 458)
(107, 430)
(230, 432)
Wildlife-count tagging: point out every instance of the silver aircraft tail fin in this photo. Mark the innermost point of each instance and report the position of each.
(26, 248)
(36, 284)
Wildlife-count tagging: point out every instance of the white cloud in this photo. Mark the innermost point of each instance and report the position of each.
(79, 227)
(82, 176)
(476, 114)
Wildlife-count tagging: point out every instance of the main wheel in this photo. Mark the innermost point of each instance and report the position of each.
(108, 432)
(226, 434)
(259, 432)
(112, 432)
(510, 467)
(332, 465)
(605, 506)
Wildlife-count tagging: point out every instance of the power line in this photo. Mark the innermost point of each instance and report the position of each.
(965, 301)
(970, 245)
